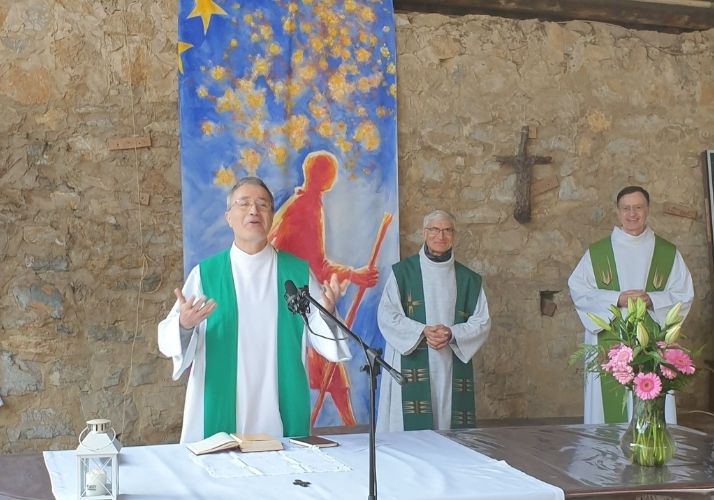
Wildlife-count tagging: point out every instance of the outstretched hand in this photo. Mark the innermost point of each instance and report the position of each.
(330, 291)
(192, 311)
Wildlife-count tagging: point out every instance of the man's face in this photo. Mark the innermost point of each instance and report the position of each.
(439, 236)
(250, 216)
(632, 211)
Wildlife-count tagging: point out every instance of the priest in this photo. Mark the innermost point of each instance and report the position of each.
(434, 316)
(633, 262)
(231, 327)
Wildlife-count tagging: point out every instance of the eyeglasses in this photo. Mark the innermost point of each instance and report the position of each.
(632, 208)
(433, 231)
(246, 203)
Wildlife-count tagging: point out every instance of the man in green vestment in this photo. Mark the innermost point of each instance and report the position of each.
(231, 327)
(633, 262)
(434, 317)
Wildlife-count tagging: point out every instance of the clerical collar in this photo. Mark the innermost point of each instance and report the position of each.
(437, 258)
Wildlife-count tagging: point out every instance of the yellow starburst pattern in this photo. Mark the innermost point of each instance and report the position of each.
(307, 73)
(391, 69)
(250, 159)
(295, 89)
(201, 91)
(278, 155)
(340, 88)
(208, 127)
(367, 14)
(233, 43)
(363, 84)
(362, 55)
(266, 32)
(255, 131)
(350, 6)
(292, 7)
(218, 73)
(344, 145)
(361, 111)
(228, 102)
(393, 90)
(274, 49)
(316, 44)
(248, 19)
(324, 128)
(289, 25)
(256, 99)
(296, 131)
(260, 66)
(254, 37)
(205, 9)
(317, 111)
(224, 177)
(367, 134)
(306, 28)
(297, 57)
(384, 51)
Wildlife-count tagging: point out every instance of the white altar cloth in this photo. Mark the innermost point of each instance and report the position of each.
(412, 465)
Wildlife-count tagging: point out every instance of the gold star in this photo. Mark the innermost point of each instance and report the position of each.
(182, 47)
(411, 304)
(205, 9)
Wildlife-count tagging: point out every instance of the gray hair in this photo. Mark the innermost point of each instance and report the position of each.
(255, 181)
(438, 214)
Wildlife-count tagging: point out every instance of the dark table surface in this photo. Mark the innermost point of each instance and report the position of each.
(584, 460)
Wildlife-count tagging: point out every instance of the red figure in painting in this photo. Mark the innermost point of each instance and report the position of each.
(299, 228)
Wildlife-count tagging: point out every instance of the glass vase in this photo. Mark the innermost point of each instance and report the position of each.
(647, 441)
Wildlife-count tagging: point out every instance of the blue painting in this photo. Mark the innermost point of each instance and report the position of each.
(300, 93)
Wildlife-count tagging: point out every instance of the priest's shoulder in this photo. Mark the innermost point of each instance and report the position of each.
(216, 257)
(465, 269)
(407, 262)
(288, 257)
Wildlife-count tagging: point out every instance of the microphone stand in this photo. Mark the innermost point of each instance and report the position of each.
(374, 362)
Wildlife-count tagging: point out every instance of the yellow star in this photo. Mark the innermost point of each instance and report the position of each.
(182, 47)
(205, 9)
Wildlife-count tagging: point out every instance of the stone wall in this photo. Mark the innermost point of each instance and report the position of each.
(90, 238)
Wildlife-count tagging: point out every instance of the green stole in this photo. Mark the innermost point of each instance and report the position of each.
(416, 394)
(221, 352)
(603, 261)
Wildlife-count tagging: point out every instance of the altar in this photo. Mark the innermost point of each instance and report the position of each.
(545, 461)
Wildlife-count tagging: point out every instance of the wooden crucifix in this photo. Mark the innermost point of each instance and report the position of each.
(523, 164)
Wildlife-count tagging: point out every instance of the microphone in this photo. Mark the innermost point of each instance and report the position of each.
(297, 304)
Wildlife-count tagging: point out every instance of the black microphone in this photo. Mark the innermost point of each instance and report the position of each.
(291, 297)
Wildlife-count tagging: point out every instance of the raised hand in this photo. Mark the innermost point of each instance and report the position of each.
(192, 311)
(330, 291)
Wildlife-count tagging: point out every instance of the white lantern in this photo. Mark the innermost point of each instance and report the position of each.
(98, 461)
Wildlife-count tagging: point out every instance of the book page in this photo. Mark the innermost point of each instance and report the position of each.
(219, 441)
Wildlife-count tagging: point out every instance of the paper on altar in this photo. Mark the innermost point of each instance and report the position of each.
(268, 463)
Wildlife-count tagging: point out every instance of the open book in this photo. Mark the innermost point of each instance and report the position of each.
(244, 442)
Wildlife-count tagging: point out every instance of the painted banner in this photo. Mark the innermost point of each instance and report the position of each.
(301, 93)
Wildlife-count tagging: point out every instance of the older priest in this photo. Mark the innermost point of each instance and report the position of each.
(434, 317)
(633, 262)
(245, 350)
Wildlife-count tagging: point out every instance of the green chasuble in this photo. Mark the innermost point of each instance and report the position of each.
(219, 396)
(603, 261)
(416, 394)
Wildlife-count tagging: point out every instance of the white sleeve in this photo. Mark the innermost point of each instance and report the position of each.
(401, 332)
(587, 297)
(329, 341)
(174, 344)
(679, 288)
(468, 337)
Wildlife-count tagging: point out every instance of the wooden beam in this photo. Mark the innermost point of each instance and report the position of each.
(659, 15)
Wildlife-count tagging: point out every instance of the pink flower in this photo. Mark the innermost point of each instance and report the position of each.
(647, 385)
(625, 375)
(680, 360)
(620, 357)
(667, 373)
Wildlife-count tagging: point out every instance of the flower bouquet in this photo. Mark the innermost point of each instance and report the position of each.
(645, 358)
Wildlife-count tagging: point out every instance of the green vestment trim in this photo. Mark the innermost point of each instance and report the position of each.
(416, 394)
(602, 257)
(221, 349)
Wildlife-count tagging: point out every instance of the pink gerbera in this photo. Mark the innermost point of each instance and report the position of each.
(667, 373)
(620, 357)
(680, 360)
(647, 385)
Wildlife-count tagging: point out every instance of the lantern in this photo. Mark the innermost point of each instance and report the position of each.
(98, 461)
